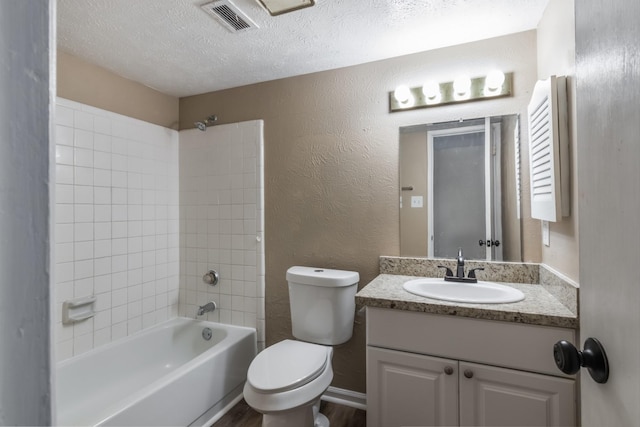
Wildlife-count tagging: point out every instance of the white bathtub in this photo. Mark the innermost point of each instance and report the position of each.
(165, 375)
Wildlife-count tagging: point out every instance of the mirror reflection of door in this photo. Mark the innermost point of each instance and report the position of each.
(459, 209)
(479, 176)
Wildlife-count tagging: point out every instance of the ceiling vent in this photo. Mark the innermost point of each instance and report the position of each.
(229, 15)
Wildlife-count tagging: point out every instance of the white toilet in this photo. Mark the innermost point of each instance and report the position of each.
(286, 380)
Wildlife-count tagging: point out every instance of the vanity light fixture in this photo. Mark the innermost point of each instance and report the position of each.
(278, 7)
(463, 89)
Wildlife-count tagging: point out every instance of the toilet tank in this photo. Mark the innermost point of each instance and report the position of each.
(322, 304)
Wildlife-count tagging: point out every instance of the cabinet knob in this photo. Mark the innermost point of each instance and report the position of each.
(468, 373)
(448, 370)
(569, 359)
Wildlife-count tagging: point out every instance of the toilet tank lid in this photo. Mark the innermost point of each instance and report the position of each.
(322, 276)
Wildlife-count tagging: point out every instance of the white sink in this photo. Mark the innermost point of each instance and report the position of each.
(470, 293)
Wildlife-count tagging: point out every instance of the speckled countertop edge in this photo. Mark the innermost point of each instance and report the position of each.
(538, 308)
(511, 272)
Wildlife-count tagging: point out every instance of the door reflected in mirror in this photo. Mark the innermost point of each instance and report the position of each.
(459, 185)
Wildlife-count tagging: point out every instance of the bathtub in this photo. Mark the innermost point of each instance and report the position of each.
(165, 375)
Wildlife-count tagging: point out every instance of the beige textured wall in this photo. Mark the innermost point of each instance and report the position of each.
(89, 84)
(556, 56)
(331, 163)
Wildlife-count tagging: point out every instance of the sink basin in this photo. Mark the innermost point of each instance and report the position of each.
(470, 293)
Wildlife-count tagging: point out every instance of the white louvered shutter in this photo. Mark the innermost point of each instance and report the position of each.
(545, 134)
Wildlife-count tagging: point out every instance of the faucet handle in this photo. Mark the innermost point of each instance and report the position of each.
(448, 271)
(472, 272)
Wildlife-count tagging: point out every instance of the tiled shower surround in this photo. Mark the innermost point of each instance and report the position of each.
(118, 225)
(221, 223)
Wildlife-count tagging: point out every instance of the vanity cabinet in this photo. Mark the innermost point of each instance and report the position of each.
(434, 370)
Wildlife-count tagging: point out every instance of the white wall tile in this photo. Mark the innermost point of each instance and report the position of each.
(102, 284)
(83, 213)
(102, 143)
(220, 218)
(64, 213)
(64, 116)
(100, 231)
(64, 155)
(83, 175)
(83, 251)
(83, 120)
(101, 160)
(102, 125)
(83, 232)
(64, 193)
(64, 135)
(64, 252)
(83, 270)
(64, 174)
(102, 196)
(83, 138)
(83, 157)
(64, 233)
(118, 178)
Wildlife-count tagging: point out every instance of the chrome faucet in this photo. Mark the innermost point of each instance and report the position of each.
(460, 268)
(210, 306)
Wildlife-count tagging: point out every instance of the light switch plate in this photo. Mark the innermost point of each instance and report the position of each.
(416, 201)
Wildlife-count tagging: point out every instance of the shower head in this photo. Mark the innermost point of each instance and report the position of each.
(209, 121)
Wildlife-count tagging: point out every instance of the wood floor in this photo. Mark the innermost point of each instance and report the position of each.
(241, 415)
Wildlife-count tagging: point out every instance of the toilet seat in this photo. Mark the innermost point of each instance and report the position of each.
(298, 390)
(287, 365)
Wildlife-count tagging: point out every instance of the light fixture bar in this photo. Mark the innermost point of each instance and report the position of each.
(478, 92)
(278, 7)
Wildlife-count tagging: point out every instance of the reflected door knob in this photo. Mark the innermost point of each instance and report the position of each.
(569, 359)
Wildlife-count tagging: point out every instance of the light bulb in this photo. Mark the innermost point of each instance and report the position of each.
(461, 85)
(402, 94)
(494, 80)
(431, 90)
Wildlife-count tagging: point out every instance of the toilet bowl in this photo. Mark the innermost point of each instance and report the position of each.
(286, 381)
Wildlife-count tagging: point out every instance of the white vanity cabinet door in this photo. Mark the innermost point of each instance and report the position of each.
(505, 397)
(408, 389)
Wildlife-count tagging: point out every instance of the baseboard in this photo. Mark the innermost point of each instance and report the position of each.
(346, 397)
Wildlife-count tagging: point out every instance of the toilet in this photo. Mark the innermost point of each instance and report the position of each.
(286, 380)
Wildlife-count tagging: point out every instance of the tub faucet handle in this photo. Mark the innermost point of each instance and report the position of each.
(211, 278)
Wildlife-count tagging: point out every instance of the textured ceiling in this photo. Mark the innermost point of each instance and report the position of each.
(176, 48)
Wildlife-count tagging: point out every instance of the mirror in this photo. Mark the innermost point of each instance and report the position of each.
(459, 188)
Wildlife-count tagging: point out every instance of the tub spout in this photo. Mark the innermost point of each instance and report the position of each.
(210, 306)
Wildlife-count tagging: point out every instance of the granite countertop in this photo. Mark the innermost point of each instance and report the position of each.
(538, 308)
